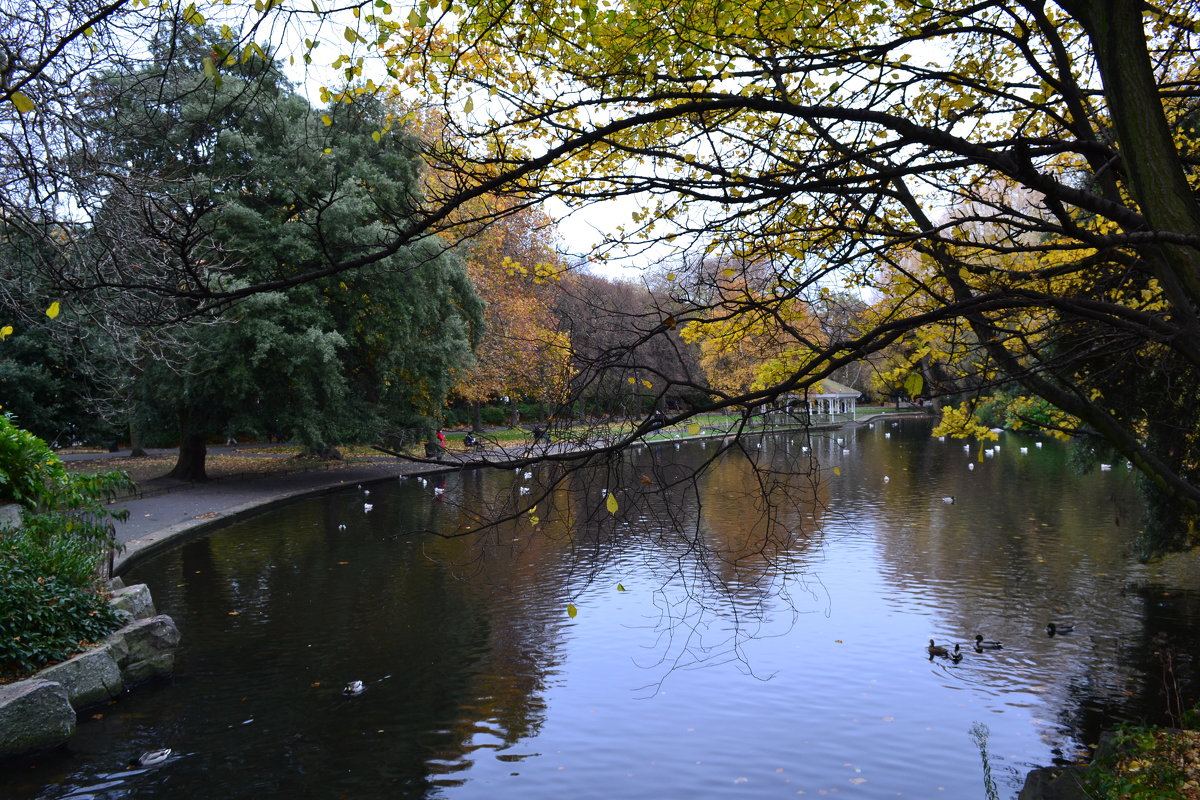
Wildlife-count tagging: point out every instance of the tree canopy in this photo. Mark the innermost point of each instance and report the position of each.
(1011, 181)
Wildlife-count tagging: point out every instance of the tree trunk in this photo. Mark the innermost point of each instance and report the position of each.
(476, 417)
(1157, 174)
(136, 448)
(192, 449)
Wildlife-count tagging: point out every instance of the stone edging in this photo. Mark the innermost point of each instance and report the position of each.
(40, 712)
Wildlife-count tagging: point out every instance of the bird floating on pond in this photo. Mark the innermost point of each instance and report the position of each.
(936, 650)
(367, 507)
(353, 688)
(527, 475)
(439, 490)
(957, 655)
(948, 499)
(1105, 467)
(887, 436)
(971, 465)
(342, 527)
(886, 479)
(986, 644)
(152, 758)
(1024, 450)
(524, 490)
(1054, 629)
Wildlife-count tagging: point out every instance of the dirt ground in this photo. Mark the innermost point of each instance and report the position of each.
(147, 469)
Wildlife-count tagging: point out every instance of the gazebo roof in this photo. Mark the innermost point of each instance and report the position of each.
(831, 388)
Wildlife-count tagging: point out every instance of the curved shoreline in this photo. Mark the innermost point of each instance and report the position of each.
(160, 519)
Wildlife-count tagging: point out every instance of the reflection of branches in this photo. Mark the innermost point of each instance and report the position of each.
(720, 525)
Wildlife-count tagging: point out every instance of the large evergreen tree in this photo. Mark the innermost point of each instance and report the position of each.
(235, 181)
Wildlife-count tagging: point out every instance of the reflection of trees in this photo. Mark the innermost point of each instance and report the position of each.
(719, 526)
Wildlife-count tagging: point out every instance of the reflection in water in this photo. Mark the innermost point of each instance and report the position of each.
(722, 644)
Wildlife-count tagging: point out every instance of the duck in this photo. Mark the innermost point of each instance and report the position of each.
(353, 688)
(152, 758)
(948, 499)
(1053, 629)
(937, 650)
(986, 644)
(957, 655)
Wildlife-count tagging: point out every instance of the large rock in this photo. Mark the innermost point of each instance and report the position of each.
(89, 678)
(10, 516)
(34, 715)
(133, 602)
(145, 649)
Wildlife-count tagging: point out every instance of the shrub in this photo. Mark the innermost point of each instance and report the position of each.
(495, 415)
(49, 604)
(44, 619)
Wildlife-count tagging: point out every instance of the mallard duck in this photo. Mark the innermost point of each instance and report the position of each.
(353, 688)
(1055, 630)
(937, 650)
(985, 644)
(957, 655)
(153, 758)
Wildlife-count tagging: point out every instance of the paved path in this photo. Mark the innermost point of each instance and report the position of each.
(165, 510)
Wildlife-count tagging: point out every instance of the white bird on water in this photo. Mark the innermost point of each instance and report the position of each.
(353, 688)
(367, 507)
(971, 465)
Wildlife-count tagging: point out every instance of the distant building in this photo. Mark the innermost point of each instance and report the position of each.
(829, 401)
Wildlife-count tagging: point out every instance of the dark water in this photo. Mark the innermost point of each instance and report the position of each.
(721, 647)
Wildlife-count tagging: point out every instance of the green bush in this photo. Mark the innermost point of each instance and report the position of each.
(495, 415)
(49, 604)
(44, 619)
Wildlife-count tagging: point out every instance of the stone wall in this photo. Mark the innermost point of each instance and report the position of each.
(39, 712)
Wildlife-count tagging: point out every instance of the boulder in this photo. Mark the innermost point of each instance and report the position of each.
(133, 602)
(146, 648)
(1055, 783)
(10, 516)
(89, 678)
(34, 715)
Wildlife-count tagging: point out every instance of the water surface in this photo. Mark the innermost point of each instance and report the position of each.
(720, 646)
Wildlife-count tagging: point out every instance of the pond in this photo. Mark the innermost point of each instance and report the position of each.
(695, 642)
